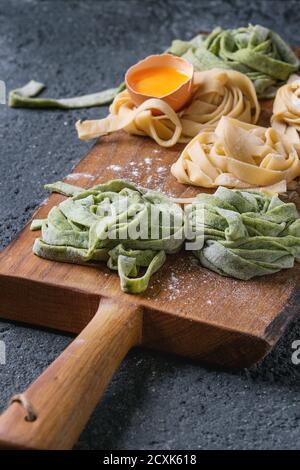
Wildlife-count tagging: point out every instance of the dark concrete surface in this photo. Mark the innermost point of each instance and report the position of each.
(155, 401)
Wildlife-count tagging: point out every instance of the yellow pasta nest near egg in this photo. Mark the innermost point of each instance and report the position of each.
(286, 109)
(238, 155)
(216, 93)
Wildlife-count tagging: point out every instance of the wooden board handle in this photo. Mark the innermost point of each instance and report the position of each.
(54, 409)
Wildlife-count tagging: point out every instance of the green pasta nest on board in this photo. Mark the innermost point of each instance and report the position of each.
(111, 222)
(256, 51)
(245, 234)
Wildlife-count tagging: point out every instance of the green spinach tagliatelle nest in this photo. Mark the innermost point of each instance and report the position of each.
(130, 227)
(256, 51)
(245, 234)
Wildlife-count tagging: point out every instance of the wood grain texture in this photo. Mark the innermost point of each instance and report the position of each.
(64, 396)
(189, 310)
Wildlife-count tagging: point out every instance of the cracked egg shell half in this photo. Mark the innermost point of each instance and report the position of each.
(165, 76)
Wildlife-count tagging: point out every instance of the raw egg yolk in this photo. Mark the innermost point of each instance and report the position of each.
(158, 81)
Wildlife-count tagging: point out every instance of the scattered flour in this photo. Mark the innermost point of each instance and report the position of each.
(173, 287)
(161, 169)
(114, 167)
(77, 176)
(45, 201)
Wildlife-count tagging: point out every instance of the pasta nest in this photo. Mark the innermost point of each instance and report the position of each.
(286, 109)
(216, 93)
(239, 155)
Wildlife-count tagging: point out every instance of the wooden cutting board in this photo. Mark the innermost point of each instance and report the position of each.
(187, 310)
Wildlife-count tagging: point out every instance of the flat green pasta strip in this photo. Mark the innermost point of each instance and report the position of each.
(64, 188)
(128, 263)
(36, 225)
(139, 284)
(67, 254)
(26, 97)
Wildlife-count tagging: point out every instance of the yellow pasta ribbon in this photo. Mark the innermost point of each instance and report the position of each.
(286, 109)
(216, 93)
(238, 155)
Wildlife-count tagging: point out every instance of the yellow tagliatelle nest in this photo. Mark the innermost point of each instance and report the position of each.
(238, 155)
(286, 109)
(216, 93)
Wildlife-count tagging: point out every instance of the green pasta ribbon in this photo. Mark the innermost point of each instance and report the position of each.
(244, 233)
(130, 227)
(256, 51)
(26, 97)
